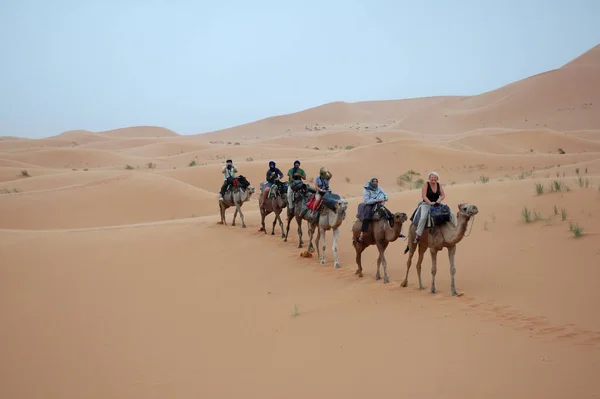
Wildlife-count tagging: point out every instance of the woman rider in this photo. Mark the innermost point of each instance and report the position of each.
(431, 193)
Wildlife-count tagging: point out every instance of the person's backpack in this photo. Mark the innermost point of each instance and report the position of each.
(439, 214)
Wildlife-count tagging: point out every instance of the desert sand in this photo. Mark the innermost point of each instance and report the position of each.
(117, 281)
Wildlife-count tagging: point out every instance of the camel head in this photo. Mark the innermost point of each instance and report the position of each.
(250, 191)
(468, 210)
(341, 205)
(400, 217)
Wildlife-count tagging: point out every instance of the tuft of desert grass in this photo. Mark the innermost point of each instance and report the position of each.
(539, 188)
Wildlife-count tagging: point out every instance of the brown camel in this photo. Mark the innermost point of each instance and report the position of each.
(301, 212)
(379, 234)
(440, 237)
(275, 202)
(236, 195)
(329, 219)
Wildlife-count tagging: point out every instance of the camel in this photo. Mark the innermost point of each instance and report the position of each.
(379, 234)
(275, 202)
(440, 237)
(329, 219)
(239, 192)
(302, 197)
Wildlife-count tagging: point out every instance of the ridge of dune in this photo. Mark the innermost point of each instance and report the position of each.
(140, 131)
(364, 115)
(561, 99)
(588, 58)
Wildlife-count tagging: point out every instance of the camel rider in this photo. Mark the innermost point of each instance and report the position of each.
(432, 194)
(229, 171)
(272, 174)
(294, 174)
(322, 186)
(373, 195)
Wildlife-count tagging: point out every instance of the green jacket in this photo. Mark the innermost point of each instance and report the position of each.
(299, 171)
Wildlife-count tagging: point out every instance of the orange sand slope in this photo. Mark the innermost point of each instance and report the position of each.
(118, 281)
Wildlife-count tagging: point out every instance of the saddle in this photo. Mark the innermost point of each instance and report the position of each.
(379, 212)
(234, 182)
(438, 215)
(278, 188)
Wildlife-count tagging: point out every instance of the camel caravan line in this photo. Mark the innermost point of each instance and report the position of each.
(376, 226)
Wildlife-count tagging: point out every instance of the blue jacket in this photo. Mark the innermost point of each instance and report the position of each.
(322, 184)
(370, 196)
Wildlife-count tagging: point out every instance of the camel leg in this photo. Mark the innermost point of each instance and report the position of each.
(336, 263)
(323, 244)
(319, 243)
(222, 212)
(433, 268)
(281, 225)
(263, 215)
(378, 275)
(287, 229)
(317, 240)
(299, 221)
(239, 209)
(274, 223)
(311, 235)
(359, 250)
(451, 252)
(421, 248)
(381, 247)
(413, 248)
(235, 214)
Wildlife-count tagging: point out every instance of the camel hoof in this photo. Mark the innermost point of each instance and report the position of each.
(421, 288)
(243, 226)
(404, 284)
(359, 273)
(457, 293)
(322, 261)
(432, 291)
(386, 280)
(377, 277)
(336, 266)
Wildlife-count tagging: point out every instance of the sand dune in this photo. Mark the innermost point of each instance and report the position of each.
(562, 99)
(122, 145)
(120, 282)
(109, 199)
(17, 174)
(333, 116)
(74, 158)
(140, 131)
(165, 148)
(523, 141)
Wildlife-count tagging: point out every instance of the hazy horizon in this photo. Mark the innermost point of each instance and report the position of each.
(194, 68)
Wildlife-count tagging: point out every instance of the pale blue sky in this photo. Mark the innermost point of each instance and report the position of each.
(198, 66)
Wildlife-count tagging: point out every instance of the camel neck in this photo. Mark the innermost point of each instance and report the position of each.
(458, 232)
